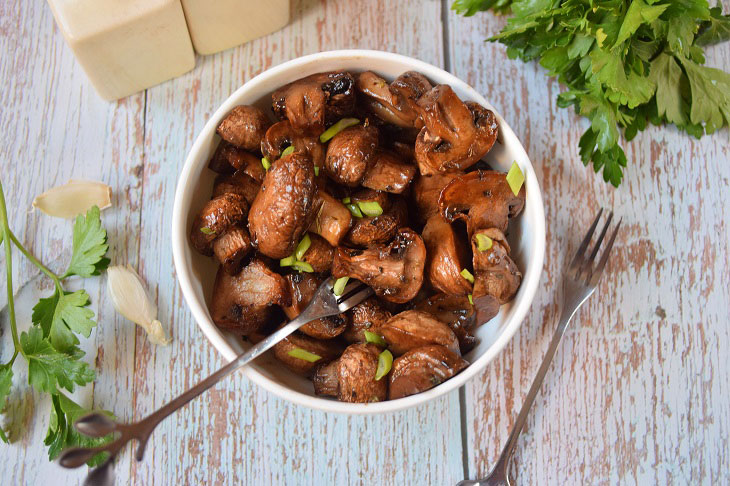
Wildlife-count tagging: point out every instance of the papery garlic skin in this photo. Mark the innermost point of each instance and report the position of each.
(74, 198)
(130, 298)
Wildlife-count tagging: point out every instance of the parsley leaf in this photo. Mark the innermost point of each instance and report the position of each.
(637, 14)
(89, 246)
(710, 95)
(61, 433)
(667, 75)
(49, 369)
(6, 381)
(63, 314)
(716, 29)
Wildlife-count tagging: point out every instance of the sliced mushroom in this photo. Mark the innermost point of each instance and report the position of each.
(324, 351)
(378, 230)
(422, 369)
(394, 271)
(350, 154)
(456, 135)
(319, 254)
(352, 378)
(414, 329)
(281, 135)
(302, 287)
(447, 256)
(244, 127)
(237, 183)
(455, 311)
(494, 271)
(242, 302)
(332, 220)
(315, 101)
(218, 216)
(483, 199)
(229, 158)
(232, 248)
(426, 192)
(365, 316)
(388, 173)
(394, 103)
(284, 207)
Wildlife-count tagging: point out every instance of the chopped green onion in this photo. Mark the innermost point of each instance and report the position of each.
(265, 162)
(288, 150)
(288, 261)
(354, 209)
(337, 128)
(385, 361)
(207, 231)
(370, 208)
(303, 267)
(467, 275)
(374, 338)
(316, 170)
(471, 299)
(346, 200)
(515, 178)
(484, 242)
(300, 353)
(302, 247)
(339, 285)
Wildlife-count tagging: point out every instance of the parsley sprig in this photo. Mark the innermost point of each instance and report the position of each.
(50, 346)
(625, 63)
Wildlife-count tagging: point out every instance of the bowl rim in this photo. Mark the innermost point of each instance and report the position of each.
(182, 265)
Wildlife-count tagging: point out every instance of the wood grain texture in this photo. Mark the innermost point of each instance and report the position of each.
(638, 393)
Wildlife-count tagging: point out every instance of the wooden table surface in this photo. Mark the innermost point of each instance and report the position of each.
(639, 392)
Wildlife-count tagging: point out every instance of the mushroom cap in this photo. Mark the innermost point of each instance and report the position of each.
(495, 273)
(319, 254)
(232, 248)
(368, 315)
(350, 153)
(215, 218)
(455, 311)
(332, 219)
(228, 158)
(413, 329)
(282, 135)
(422, 369)
(378, 230)
(447, 255)
(356, 370)
(395, 103)
(244, 127)
(302, 287)
(238, 183)
(426, 192)
(388, 173)
(327, 350)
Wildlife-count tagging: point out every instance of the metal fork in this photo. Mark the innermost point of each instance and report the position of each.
(324, 303)
(580, 282)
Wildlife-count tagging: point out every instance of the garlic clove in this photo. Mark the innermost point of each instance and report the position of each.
(74, 198)
(131, 299)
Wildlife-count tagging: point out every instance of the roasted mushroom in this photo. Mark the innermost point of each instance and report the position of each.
(394, 271)
(350, 154)
(238, 183)
(232, 248)
(455, 311)
(244, 127)
(302, 287)
(494, 271)
(282, 135)
(284, 207)
(394, 103)
(332, 220)
(455, 134)
(388, 173)
(319, 254)
(422, 369)
(302, 354)
(318, 100)
(229, 158)
(366, 316)
(414, 329)
(242, 302)
(483, 199)
(377, 230)
(352, 377)
(447, 256)
(426, 192)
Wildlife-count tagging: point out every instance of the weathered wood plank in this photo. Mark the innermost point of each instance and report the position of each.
(638, 390)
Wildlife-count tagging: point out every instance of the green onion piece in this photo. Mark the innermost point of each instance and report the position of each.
(316, 170)
(207, 231)
(337, 128)
(303, 267)
(467, 275)
(385, 361)
(515, 178)
(288, 150)
(471, 299)
(265, 162)
(354, 209)
(374, 338)
(339, 285)
(484, 242)
(302, 247)
(300, 353)
(370, 208)
(346, 200)
(288, 261)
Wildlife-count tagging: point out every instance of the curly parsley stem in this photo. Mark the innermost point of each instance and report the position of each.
(9, 274)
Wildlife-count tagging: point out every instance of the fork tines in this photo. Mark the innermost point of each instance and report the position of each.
(582, 267)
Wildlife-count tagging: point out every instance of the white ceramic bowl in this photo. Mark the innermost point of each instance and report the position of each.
(196, 273)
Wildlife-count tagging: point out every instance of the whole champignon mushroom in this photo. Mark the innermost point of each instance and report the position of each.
(455, 311)
(447, 256)
(228, 158)
(319, 254)
(332, 219)
(388, 173)
(394, 271)
(495, 273)
(422, 369)
(284, 207)
(377, 230)
(244, 127)
(426, 192)
(313, 102)
(237, 183)
(455, 134)
(350, 154)
(352, 377)
(302, 287)
(242, 303)
(323, 351)
(281, 135)
(483, 199)
(414, 329)
(368, 315)
(395, 103)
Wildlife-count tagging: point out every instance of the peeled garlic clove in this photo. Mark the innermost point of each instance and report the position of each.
(130, 298)
(74, 198)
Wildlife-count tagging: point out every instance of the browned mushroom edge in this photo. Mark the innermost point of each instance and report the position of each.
(494, 271)
(244, 127)
(302, 287)
(413, 329)
(422, 369)
(352, 377)
(447, 255)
